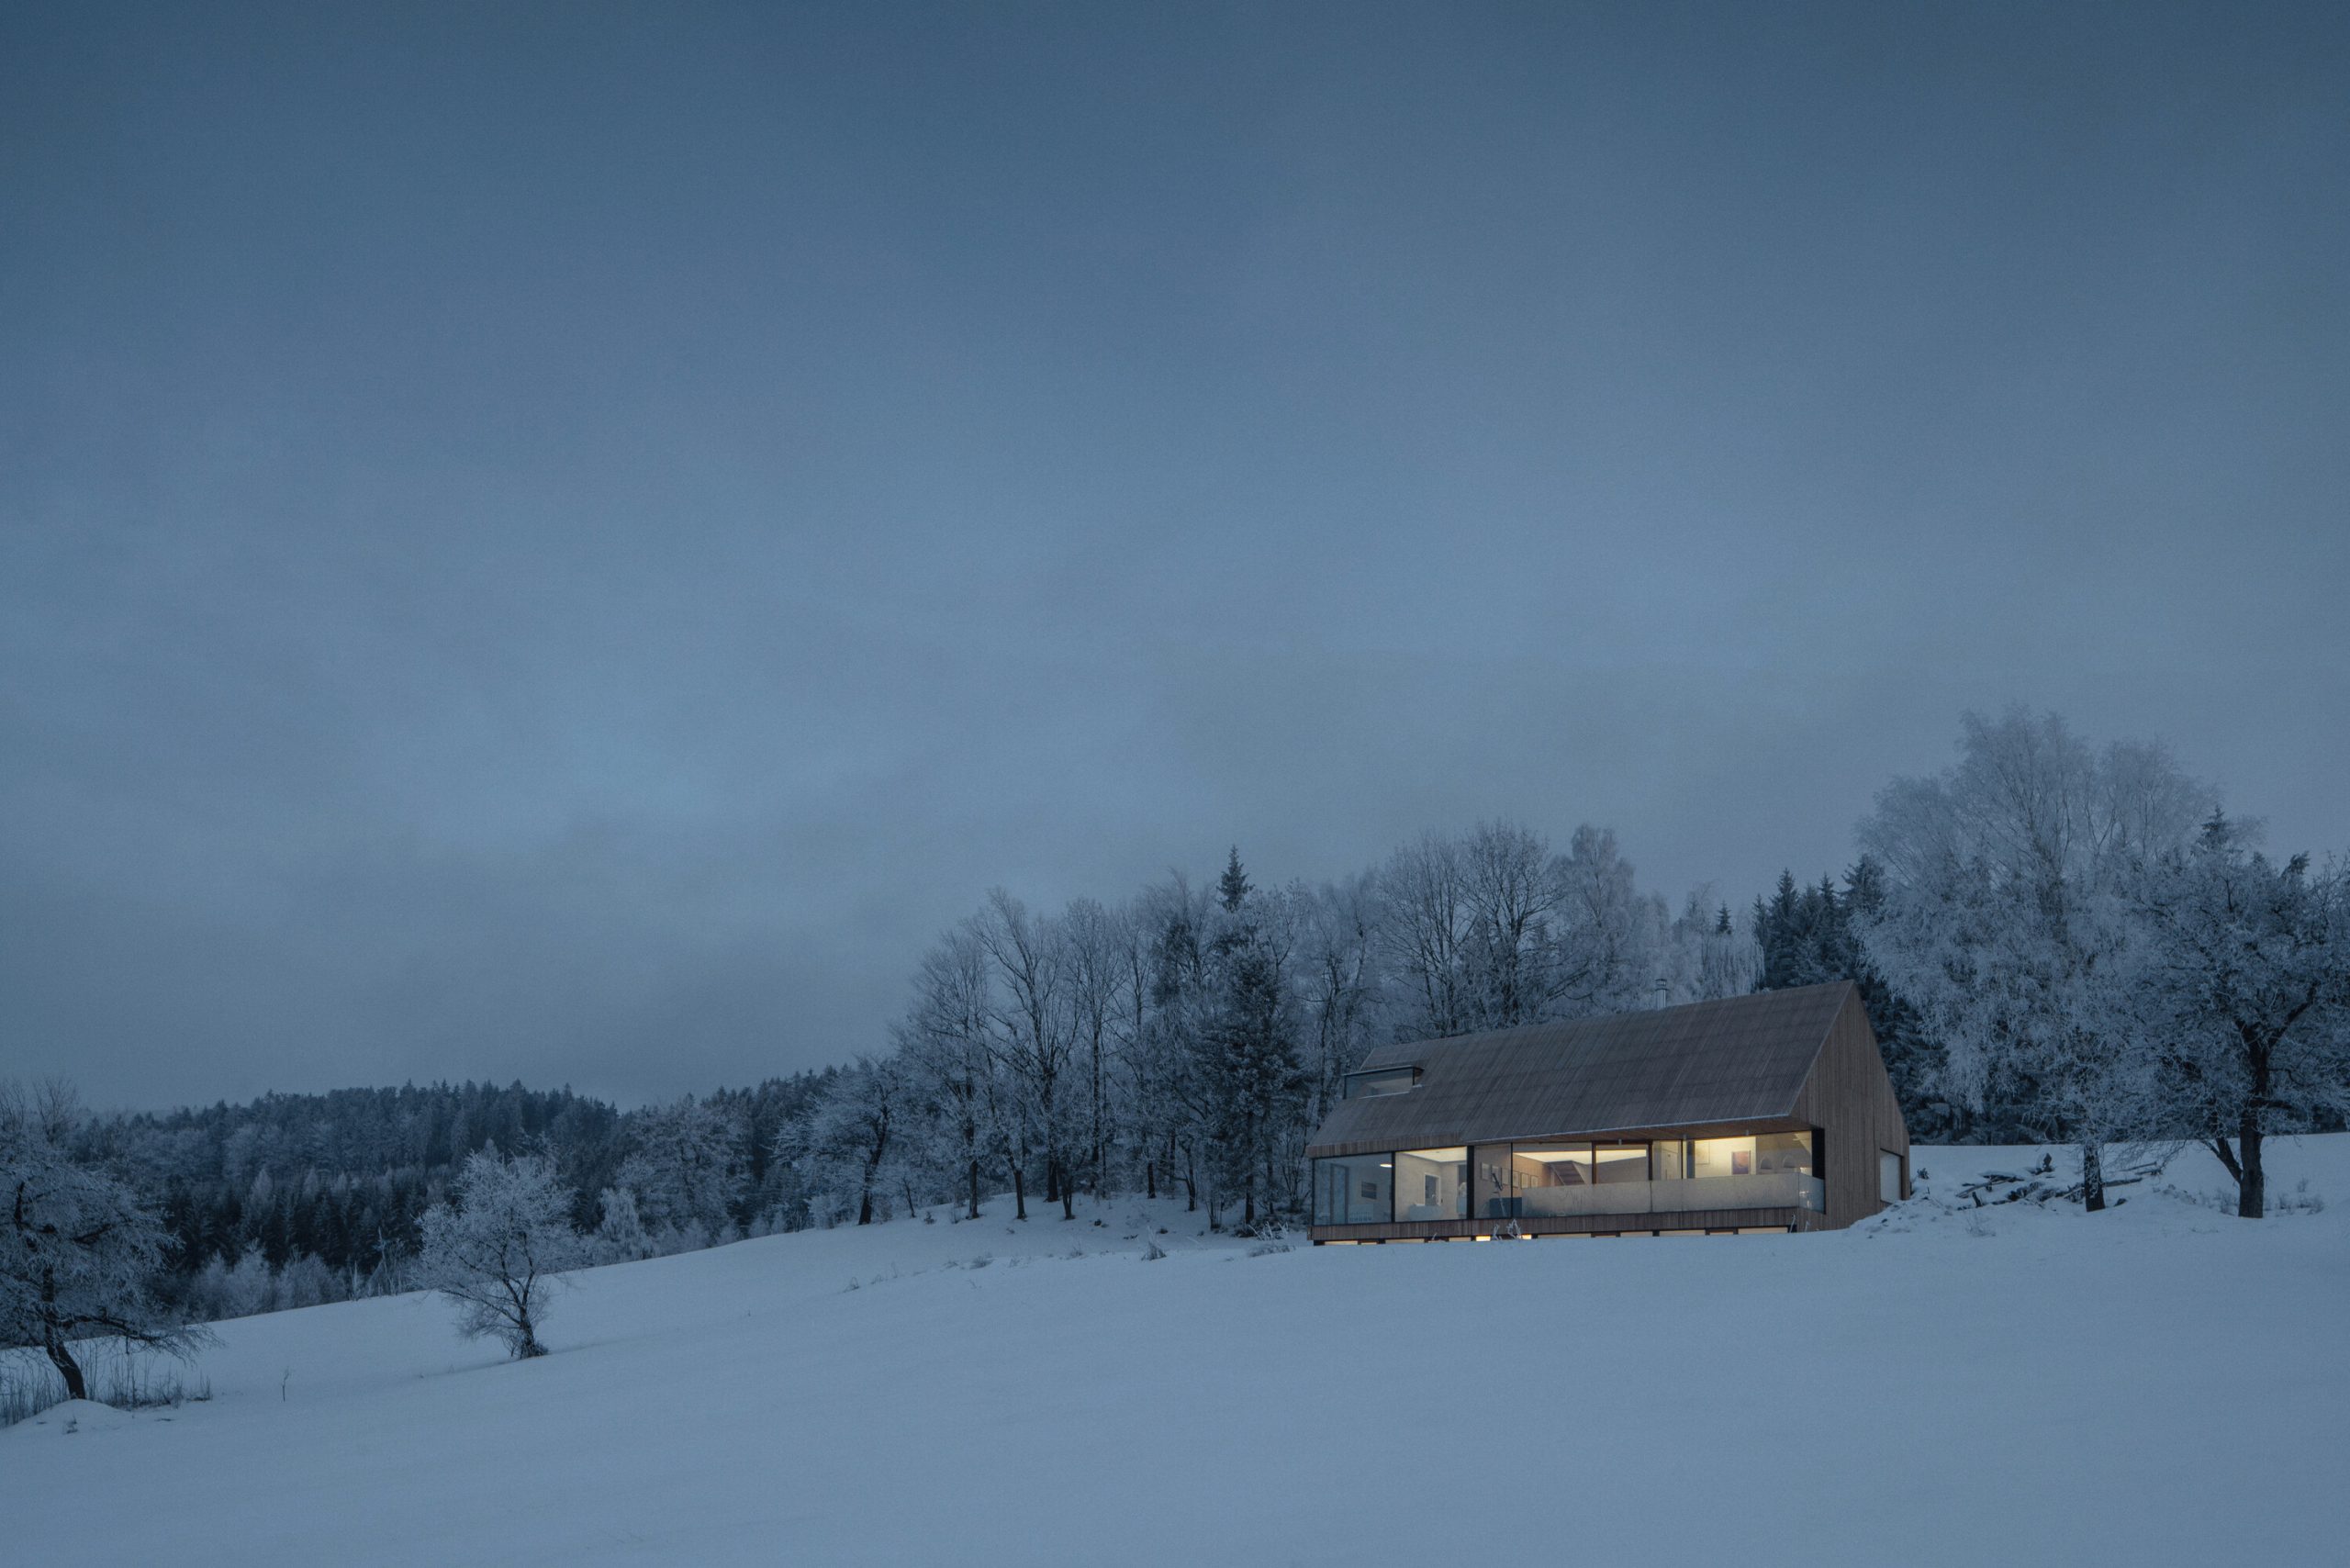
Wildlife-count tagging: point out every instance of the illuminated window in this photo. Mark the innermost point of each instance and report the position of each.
(1432, 1184)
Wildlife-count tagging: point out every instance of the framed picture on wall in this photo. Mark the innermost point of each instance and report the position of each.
(1742, 1162)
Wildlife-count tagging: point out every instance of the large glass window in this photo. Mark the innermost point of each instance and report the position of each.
(1355, 1190)
(1563, 1178)
(1560, 1178)
(1612, 1163)
(1432, 1184)
(1763, 1154)
(1497, 1178)
(1553, 1165)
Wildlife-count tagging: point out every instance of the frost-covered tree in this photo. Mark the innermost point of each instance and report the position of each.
(1704, 955)
(1494, 929)
(1424, 937)
(79, 1251)
(2003, 920)
(1031, 1038)
(1098, 942)
(841, 1146)
(1248, 1077)
(943, 1041)
(239, 1289)
(1340, 987)
(496, 1248)
(1511, 891)
(1609, 930)
(2246, 982)
(685, 1168)
(1172, 1092)
(621, 1235)
(1807, 936)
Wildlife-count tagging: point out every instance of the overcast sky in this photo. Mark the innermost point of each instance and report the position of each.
(568, 544)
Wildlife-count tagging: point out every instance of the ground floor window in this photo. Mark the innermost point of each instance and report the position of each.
(1760, 1155)
(1432, 1184)
(1563, 1177)
(1356, 1190)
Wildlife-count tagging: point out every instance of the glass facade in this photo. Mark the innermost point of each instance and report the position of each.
(1763, 1154)
(1359, 1190)
(1561, 1178)
(1432, 1184)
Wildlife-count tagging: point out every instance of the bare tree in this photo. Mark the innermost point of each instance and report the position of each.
(1425, 893)
(1511, 889)
(77, 1248)
(1099, 947)
(944, 1038)
(1030, 1035)
(2246, 981)
(1338, 984)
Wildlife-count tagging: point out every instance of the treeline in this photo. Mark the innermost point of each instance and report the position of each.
(2055, 942)
(1188, 1038)
(293, 1200)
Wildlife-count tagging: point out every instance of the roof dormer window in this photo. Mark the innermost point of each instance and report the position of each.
(1379, 1080)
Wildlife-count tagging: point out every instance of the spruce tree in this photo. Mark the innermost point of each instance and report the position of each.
(1232, 887)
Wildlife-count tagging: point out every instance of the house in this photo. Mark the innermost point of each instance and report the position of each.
(1764, 1112)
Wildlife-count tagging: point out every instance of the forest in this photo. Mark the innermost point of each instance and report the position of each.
(2056, 943)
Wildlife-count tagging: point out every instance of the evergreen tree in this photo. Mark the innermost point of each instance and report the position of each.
(1232, 887)
(1806, 936)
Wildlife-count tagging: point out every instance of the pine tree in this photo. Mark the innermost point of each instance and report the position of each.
(1232, 887)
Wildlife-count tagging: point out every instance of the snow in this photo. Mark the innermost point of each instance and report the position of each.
(2162, 1384)
(71, 1418)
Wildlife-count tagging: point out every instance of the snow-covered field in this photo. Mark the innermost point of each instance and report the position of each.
(2158, 1385)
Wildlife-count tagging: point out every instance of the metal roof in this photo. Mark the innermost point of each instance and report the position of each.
(1740, 1059)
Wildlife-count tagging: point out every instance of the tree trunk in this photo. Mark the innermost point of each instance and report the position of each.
(1150, 1177)
(2228, 1159)
(1068, 1195)
(974, 1187)
(67, 1367)
(2092, 1176)
(1019, 1193)
(2252, 1187)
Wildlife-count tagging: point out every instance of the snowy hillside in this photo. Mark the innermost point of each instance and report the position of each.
(2159, 1384)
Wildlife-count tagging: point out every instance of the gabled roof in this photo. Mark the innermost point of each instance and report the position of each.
(1741, 1059)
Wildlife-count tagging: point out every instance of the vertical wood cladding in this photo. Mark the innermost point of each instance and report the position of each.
(1776, 1061)
(1849, 1095)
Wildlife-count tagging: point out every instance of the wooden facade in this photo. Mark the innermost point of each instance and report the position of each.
(1849, 1095)
(1803, 1060)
